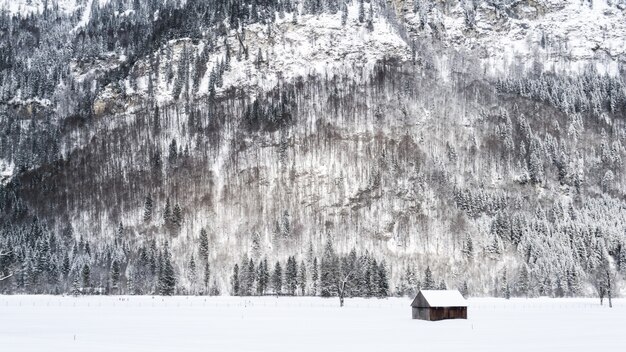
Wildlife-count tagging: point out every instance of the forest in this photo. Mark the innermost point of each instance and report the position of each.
(135, 161)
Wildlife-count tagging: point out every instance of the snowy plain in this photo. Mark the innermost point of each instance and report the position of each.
(144, 323)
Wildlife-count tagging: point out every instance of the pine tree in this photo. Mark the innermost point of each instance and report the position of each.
(177, 217)
(244, 275)
(429, 282)
(505, 289)
(277, 279)
(85, 275)
(291, 276)
(383, 283)
(372, 280)
(314, 277)
(75, 287)
(207, 276)
(263, 277)
(173, 153)
(310, 255)
(329, 271)
(120, 233)
(234, 281)
(302, 279)
(256, 246)
(192, 275)
(523, 281)
(361, 11)
(251, 277)
(115, 275)
(465, 289)
(168, 277)
(411, 282)
(259, 59)
(370, 19)
(147, 209)
(204, 245)
(65, 267)
(621, 261)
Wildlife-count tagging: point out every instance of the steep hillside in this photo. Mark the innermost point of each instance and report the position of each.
(142, 140)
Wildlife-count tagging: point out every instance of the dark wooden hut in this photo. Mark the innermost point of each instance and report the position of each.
(438, 305)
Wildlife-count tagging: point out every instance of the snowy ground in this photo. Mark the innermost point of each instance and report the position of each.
(52, 323)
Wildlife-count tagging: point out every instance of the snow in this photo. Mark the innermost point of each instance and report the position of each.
(318, 45)
(24, 7)
(576, 35)
(6, 171)
(444, 298)
(54, 323)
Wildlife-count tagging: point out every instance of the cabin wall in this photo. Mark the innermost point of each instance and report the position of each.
(441, 313)
(421, 313)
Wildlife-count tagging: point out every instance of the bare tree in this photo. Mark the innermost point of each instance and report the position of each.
(604, 279)
(346, 273)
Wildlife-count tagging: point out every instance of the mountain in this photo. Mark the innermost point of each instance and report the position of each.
(143, 141)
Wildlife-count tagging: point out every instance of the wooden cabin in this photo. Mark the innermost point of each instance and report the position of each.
(438, 305)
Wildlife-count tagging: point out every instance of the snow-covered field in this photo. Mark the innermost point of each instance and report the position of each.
(53, 323)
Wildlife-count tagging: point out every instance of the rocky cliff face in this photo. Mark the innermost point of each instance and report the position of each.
(482, 139)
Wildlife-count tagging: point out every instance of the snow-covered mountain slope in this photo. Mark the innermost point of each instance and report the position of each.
(559, 35)
(264, 55)
(25, 7)
(481, 139)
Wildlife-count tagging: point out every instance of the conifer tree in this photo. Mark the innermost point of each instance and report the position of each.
(370, 19)
(172, 157)
(277, 279)
(65, 267)
(177, 217)
(75, 287)
(115, 275)
(207, 276)
(505, 289)
(120, 233)
(234, 281)
(251, 277)
(147, 209)
(85, 275)
(523, 281)
(168, 277)
(329, 271)
(464, 289)
(361, 11)
(204, 245)
(314, 278)
(192, 274)
(244, 275)
(344, 13)
(291, 276)
(263, 277)
(429, 282)
(302, 279)
(383, 282)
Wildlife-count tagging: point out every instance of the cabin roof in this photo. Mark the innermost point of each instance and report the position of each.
(439, 298)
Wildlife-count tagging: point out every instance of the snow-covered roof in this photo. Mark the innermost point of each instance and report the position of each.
(440, 298)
